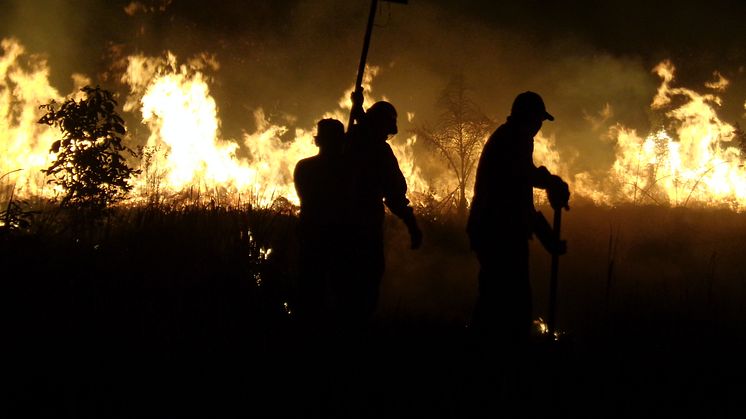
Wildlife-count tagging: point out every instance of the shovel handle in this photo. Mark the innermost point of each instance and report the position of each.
(364, 54)
(552, 315)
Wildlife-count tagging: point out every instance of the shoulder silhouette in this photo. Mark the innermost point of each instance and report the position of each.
(320, 183)
(376, 181)
(503, 218)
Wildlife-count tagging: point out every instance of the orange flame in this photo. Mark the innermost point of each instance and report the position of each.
(697, 163)
(177, 107)
(24, 85)
(693, 161)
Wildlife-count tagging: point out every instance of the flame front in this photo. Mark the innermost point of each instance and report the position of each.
(184, 149)
(24, 85)
(697, 163)
(185, 145)
(696, 159)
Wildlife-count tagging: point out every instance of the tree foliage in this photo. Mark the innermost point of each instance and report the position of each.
(89, 164)
(459, 134)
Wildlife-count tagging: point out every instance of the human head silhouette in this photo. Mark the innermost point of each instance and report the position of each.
(530, 104)
(330, 134)
(529, 111)
(382, 118)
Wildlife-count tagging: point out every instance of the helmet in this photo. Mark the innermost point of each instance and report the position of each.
(383, 115)
(382, 108)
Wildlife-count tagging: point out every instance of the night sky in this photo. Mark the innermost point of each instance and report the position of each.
(295, 58)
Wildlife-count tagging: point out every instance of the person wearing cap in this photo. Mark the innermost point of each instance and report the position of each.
(320, 184)
(377, 181)
(502, 219)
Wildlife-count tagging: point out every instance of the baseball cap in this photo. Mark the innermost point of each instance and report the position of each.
(530, 103)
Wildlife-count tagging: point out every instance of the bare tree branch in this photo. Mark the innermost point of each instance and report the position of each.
(459, 134)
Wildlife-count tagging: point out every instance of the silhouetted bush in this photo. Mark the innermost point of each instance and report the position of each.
(89, 164)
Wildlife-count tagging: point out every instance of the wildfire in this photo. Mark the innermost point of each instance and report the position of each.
(184, 149)
(24, 85)
(177, 107)
(698, 162)
(696, 159)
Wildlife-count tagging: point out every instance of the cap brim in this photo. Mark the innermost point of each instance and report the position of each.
(548, 116)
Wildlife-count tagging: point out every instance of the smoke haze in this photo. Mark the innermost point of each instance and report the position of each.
(294, 59)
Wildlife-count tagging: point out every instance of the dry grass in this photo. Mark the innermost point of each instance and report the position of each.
(156, 308)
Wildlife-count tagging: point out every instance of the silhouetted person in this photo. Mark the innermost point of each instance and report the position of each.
(320, 183)
(376, 181)
(503, 219)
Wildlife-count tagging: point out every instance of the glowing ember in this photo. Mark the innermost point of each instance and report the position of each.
(541, 326)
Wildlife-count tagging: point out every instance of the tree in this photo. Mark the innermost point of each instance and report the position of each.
(459, 135)
(89, 164)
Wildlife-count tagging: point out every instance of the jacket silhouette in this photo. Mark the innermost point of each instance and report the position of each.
(321, 182)
(503, 218)
(376, 180)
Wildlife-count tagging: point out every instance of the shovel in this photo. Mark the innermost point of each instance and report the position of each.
(366, 45)
(552, 314)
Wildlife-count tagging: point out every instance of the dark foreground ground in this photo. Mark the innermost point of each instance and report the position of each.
(179, 315)
(205, 365)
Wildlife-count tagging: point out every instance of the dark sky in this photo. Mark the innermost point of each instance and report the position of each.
(297, 57)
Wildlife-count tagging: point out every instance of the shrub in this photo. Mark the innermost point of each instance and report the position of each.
(89, 165)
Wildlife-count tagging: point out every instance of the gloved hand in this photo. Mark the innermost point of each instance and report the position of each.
(558, 193)
(357, 98)
(356, 111)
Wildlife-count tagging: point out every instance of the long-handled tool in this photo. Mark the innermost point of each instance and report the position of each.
(552, 315)
(366, 45)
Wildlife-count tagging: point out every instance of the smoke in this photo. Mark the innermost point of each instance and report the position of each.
(136, 7)
(293, 58)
